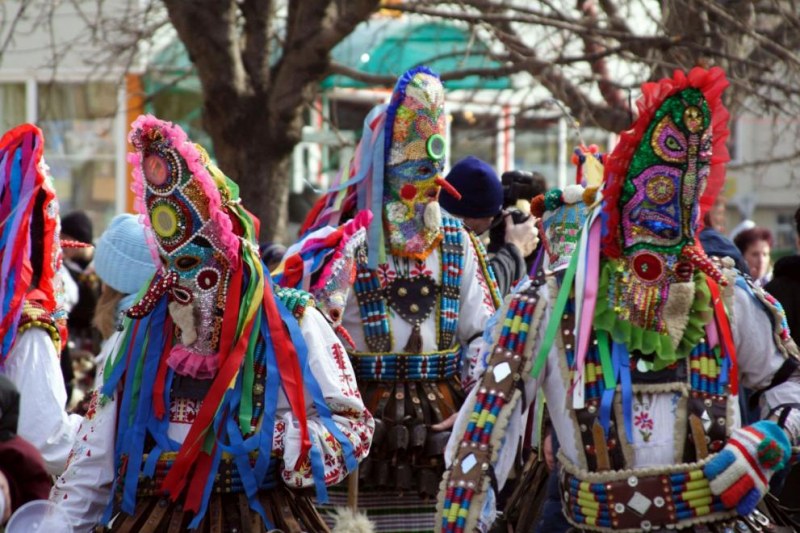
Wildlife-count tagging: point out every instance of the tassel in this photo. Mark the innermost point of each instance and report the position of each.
(414, 344)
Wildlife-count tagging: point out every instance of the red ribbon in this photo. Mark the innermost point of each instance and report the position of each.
(725, 332)
(188, 455)
(159, 408)
(289, 368)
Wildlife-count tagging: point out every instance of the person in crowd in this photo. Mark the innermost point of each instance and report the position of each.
(716, 244)
(124, 265)
(402, 283)
(77, 227)
(223, 399)
(756, 245)
(785, 283)
(640, 347)
(33, 320)
(785, 287)
(23, 476)
(481, 206)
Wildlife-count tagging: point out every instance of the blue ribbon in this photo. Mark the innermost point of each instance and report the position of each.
(324, 412)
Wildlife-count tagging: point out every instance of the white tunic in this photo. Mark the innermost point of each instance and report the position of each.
(34, 367)
(475, 307)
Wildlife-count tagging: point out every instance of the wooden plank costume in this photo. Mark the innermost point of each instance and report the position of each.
(642, 347)
(408, 290)
(223, 399)
(32, 317)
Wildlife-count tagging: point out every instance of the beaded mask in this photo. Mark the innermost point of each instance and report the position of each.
(30, 252)
(183, 197)
(662, 176)
(415, 157)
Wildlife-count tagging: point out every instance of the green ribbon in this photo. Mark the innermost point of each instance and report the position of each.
(558, 311)
(605, 359)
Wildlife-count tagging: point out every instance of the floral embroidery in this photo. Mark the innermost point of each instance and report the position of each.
(91, 412)
(386, 274)
(346, 381)
(183, 411)
(421, 269)
(642, 420)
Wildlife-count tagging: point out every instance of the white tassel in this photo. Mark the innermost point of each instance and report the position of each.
(348, 521)
(433, 216)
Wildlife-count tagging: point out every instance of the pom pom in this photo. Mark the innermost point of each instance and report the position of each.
(589, 195)
(552, 199)
(572, 194)
(537, 206)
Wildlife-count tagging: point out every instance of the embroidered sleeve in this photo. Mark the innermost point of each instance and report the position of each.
(84, 489)
(331, 368)
(476, 308)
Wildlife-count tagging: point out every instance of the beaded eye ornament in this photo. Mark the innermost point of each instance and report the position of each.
(30, 253)
(415, 158)
(184, 200)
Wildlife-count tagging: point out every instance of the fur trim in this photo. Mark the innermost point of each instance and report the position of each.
(183, 315)
(433, 216)
(676, 309)
(348, 521)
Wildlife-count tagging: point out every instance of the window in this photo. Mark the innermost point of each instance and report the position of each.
(12, 105)
(78, 124)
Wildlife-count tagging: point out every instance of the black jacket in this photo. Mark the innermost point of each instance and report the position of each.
(785, 287)
(509, 267)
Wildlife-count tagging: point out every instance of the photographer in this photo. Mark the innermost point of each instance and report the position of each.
(481, 209)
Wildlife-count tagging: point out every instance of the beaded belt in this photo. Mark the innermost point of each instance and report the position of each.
(227, 479)
(433, 366)
(627, 501)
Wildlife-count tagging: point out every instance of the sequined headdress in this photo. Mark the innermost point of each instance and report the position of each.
(660, 179)
(186, 201)
(30, 253)
(396, 171)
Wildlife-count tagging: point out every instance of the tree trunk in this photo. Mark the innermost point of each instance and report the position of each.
(256, 155)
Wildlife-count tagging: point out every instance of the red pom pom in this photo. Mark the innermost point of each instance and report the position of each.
(537, 206)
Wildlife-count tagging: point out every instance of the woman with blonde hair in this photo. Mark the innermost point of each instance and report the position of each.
(124, 264)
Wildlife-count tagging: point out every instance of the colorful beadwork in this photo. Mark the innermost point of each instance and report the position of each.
(34, 315)
(415, 159)
(295, 300)
(487, 271)
(465, 479)
(680, 496)
(452, 266)
(371, 296)
(434, 366)
(193, 234)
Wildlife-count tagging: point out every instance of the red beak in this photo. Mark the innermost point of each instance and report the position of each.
(449, 189)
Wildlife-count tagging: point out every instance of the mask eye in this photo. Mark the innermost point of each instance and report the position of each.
(424, 170)
(187, 262)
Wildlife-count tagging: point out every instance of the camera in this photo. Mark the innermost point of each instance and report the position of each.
(517, 185)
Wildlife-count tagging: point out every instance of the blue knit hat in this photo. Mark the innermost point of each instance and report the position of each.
(122, 257)
(480, 188)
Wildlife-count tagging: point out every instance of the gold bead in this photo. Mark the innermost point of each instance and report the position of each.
(425, 291)
(414, 308)
(402, 291)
